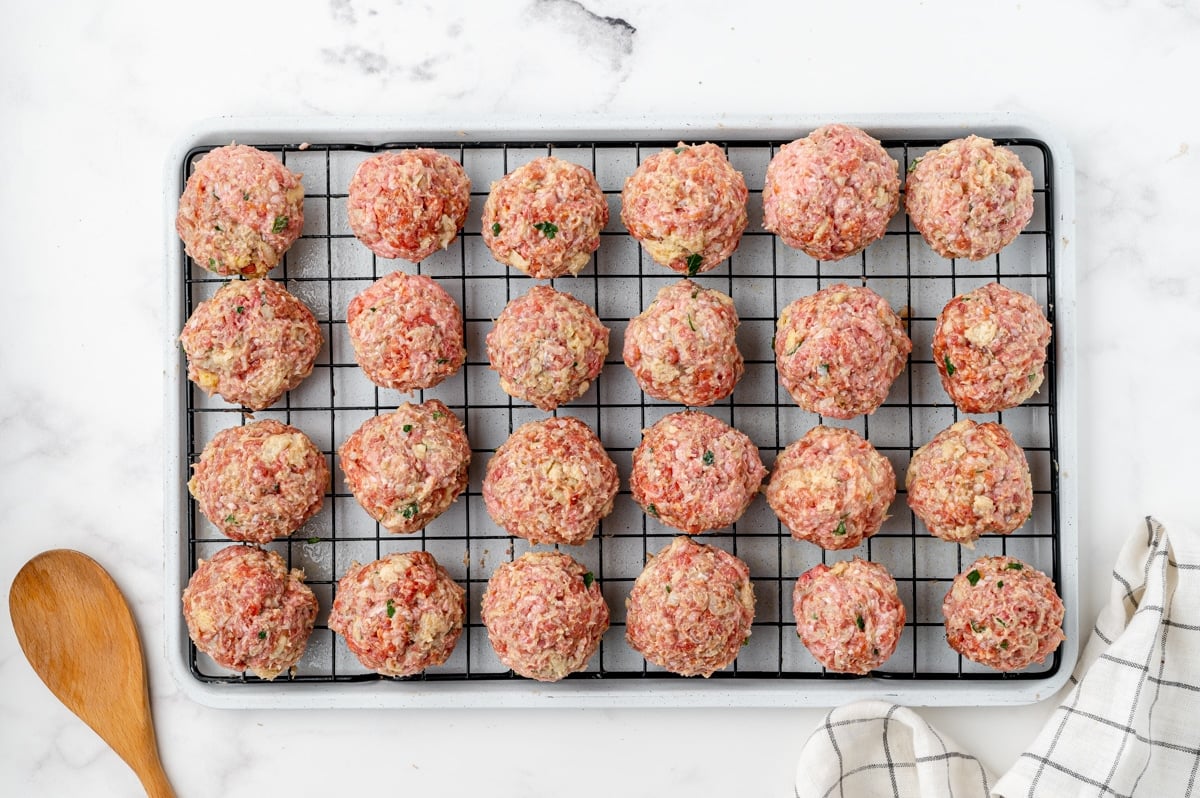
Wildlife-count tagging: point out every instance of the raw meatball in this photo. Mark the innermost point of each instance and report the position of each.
(691, 609)
(694, 472)
(969, 198)
(405, 468)
(683, 348)
(839, 350)
(545, 615)
(400, 614)
(408, 204)
(832, 488)
(1002, 613)
(551, 482)
(849, 616)
(969, 480)
(240, 211)
(687, 206)
(990, 348)
(248, 612)
(547, 347)
(545, 218)
(831, 193)
(260, 482)
(251, 343)
(407, 332)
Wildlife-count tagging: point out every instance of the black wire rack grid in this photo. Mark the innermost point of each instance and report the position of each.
(327, 266)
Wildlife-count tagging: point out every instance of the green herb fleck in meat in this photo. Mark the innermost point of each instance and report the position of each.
(549, 229)
(708, 458)
(973, 578)
(229, 519)
(1000, 584)
(691, 323)
(245, 196)
(407, 428)
(410, 511)
(391, 608)
(495, 228)
(239, 309)
(913, 165)
(588, 578)
(212, 263)
(650, 508)
(976, 627)
(949, 366)
(262, 635)
(281, 223)
(679, 150)
(693, 264)
(841, 528)
(437, 414)
(668, 588)
(858, 620)
(1015, 566)
(1004, 644)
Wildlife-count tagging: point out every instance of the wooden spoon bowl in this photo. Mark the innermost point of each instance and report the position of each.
(78, 634)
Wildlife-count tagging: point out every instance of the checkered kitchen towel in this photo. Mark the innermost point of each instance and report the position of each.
(1130, 727)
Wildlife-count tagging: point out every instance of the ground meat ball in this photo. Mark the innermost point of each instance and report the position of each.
(969, 480)
(400, 614)
(687, 206)
(545, 218)
(407, 332)
(251, 343)
(832, 488)
(694, 472)
(839, 350)
(849, 616)
(545, 615)
(260, 482)
(970, 198)
(683, 348)
(831, 193)
(240, 211)
(408, 204)
(547, 347)
(405, 468)
(691, 609)
(248, 612)
(990, 348)
(551, 482)
(1003, 613)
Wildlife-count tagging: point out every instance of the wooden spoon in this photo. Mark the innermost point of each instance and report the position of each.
(76, 630)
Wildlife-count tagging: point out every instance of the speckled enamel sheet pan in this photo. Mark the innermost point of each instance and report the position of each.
(328, 266)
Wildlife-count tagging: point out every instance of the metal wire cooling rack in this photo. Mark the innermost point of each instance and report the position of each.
(328, 266)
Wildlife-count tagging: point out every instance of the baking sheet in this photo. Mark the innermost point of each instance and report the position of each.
(327, 266)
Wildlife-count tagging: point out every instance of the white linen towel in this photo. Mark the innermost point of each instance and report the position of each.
(1129, 728)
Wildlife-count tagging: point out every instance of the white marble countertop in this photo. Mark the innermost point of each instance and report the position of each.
(94, 94)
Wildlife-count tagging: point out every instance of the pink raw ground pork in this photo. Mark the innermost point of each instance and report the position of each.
(408, 204)
(691, 609)
(1002, 613)
(849, 615)
(545, 218)
(687, 207)
(831, 193)
(248, 612)
(545, 615)
(990, 348)
(551, 482)
(399, 614)
(240, 211)
(260, 481)
(969, 480)
(838, 351)
(969, 198)
(683, 348)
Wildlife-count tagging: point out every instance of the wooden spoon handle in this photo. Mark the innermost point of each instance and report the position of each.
(154, 779)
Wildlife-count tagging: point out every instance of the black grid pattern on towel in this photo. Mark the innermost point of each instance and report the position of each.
(327, 266)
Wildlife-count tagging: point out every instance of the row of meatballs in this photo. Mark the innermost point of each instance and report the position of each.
(837, 351)
(829, 194)
(553, 482)
(690, 611)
